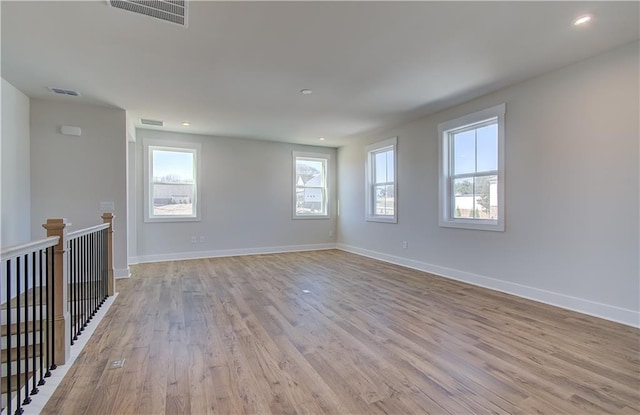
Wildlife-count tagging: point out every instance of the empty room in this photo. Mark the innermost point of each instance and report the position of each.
(308, 207)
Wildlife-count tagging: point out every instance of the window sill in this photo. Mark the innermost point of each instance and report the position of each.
(381, 219)
(482, 225)
(311, 217)
(171, 219)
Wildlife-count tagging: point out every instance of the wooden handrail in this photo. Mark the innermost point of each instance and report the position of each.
(15, 251)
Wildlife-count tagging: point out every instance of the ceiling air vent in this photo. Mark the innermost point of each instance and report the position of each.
(61, 91)
(146, 121)
(173, 11)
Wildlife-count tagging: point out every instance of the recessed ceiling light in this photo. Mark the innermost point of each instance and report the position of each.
(321, 138)
(186, 123)
(306, 92)
(581, 20)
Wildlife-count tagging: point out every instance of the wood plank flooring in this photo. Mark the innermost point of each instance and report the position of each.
(240, 335)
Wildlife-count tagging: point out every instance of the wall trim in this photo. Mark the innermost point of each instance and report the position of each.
(177, 256)
(605, 311)
(121, 273)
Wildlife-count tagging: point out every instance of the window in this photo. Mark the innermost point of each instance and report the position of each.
(381, 191)
(171, 182)
(310, 180)
(472, 170)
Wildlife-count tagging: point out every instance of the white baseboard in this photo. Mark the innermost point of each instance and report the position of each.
(177, 256)
(605, 311)
(121, 273)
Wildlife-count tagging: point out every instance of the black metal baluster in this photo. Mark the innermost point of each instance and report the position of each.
(83, 277)
(41, 320)
(71, 288)
(27, 399)
(101, 265)
(47, 278)
(101, 288)
(78, 243)
(34, 365)
(19, 409)
(9, 331)
(53, 309)
(92, 276)
(96, 272)
(103, 262)
(80, 285)
(76, 292)
(85, 314)
(68, 281)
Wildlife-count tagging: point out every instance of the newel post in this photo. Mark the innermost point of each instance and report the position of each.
(107, 217)
(57, 279)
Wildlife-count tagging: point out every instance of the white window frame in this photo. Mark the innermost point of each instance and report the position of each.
(149, 146)
(371, 151)
(326, 159)
(445, 131)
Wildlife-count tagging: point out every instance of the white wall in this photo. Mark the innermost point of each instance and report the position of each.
(71, 175)
(572, 193)
(15, 197)
(245, 201)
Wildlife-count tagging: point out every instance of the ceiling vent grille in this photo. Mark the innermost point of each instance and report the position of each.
(61, 91)
(173, 11)
(147, 121)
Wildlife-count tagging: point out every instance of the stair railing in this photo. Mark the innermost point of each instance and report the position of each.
(87, 276)
(49, 290)
(26, 320)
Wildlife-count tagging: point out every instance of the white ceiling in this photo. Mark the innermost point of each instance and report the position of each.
(238, 68)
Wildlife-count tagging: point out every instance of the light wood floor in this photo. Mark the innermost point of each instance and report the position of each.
(240, 335)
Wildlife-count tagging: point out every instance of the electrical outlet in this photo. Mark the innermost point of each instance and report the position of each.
(194, 240)
(405, 244)
(202, 239)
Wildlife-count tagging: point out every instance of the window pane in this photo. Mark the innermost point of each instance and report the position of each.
(380, 181)
(380, 166)
(173, 166)
(384, 196)
(382, 200)
(463, 200)
(309, 200)
(487, 145)
(464, 152)
(390, 198)
(173, 184)
(309, 172)
(486, 193)
(310, 186)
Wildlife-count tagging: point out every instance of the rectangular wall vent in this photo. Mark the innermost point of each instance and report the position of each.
(173, 11)
(147, 121)
(61, 91)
